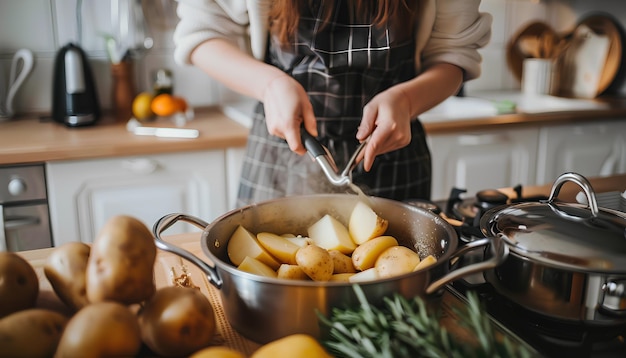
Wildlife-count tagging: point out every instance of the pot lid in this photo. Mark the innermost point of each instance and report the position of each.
(568, 236)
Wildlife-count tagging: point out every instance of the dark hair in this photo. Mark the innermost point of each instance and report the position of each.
(285, 14)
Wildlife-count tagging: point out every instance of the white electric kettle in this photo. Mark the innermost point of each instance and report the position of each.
(21, 66)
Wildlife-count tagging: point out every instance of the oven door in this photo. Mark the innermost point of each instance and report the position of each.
(24, 227)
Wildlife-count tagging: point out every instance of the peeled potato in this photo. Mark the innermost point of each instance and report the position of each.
(364, 276)
(315, 262)
(295, 345)
(365, 224)
(217, 352)
(427, 261)
(291, 272)
(342, 263)
(396, 260)
(341, 277)
(279, 247)
(254, 266)
(330, 234)
(243, 243)
(298, 240)
(365, 255)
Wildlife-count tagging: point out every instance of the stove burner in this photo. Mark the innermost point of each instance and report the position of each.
(551, 337)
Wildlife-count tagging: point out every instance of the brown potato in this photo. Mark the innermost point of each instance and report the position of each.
(19, 285)
(218, 352)
(121, 264)
(395, 261)
(103, 329)
(177, 321)
(33, 332)
(342, 263)
(66, 268)
(315, 262)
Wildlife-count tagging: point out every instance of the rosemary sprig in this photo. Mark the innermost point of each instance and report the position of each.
(407, 328)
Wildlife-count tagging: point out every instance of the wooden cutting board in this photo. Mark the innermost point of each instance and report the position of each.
(167, 267)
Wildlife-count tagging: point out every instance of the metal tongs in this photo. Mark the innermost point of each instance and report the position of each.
(323, 157)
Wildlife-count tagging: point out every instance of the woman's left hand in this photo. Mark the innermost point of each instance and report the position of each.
(387, 117)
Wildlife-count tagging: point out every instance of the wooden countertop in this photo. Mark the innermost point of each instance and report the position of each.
(31, 139)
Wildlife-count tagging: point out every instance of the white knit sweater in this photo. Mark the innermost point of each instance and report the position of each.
(449, 31)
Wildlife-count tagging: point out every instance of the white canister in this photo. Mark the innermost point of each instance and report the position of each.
(537, 76)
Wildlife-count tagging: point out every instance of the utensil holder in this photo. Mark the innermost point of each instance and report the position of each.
(123, 90)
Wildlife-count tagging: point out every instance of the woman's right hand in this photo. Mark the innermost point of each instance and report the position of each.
(287, 107)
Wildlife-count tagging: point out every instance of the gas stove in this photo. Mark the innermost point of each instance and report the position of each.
(550, 337)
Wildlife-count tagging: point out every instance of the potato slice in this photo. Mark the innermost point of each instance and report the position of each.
(365, 224)
(298, 240)
(365, 276)
(279, 247)
(315, 262)
(427, 261)
(254, 266)
(395, 261)
(291, 272)
(330, 234)
(342, 263)
(341, 277)
(365, 255)
(243, 243)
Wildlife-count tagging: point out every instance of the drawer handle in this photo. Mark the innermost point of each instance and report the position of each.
(140, 165)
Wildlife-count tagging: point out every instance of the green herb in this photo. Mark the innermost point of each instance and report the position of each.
(408, 328)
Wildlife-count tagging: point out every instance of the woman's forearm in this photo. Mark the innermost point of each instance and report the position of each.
(431, 87)
(234, 68)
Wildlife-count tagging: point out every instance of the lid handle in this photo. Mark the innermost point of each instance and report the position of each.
(582, 182)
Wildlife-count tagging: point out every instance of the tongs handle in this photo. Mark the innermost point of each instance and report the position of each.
(311, 144)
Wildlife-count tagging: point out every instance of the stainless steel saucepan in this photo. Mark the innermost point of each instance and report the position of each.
(567, 261)
(264, 309)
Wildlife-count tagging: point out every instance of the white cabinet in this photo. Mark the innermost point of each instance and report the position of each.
(234, 161)
(84, 194)
(590, 149)
(482, 160)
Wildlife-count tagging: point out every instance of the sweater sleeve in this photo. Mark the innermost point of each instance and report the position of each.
(459, 30)
(201, 20)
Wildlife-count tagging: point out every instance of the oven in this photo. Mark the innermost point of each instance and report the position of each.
(24, 215)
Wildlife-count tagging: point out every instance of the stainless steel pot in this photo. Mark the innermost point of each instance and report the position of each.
(567, 261)
(264, 309)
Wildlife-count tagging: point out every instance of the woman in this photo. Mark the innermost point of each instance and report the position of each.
(345, 70)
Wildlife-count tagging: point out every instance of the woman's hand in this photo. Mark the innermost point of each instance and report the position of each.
(287, 106)
(387, 117)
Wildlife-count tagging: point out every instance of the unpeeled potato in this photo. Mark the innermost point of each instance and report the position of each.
(103, 329)
(217, 352)
(66, 268)
(315, 262)
(19, 285)
(342, 263)
(121, 263)
(177, 321)
(33, 332)
(395, 261)
(365, 255)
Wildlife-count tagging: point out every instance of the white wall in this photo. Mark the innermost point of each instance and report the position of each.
(46, 25)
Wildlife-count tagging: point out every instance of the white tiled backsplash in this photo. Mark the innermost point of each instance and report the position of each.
(44, 26)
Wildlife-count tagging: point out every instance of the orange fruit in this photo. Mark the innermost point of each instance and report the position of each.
(166, 105)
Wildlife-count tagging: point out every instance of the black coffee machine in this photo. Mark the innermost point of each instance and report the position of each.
(74, 98)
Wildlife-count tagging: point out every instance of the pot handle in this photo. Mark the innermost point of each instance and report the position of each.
(166, 222)
(499, 251)
(582, 182)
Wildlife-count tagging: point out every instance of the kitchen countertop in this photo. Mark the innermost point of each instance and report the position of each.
(30, 139)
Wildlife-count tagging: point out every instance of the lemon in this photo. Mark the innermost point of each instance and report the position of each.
(141, 106)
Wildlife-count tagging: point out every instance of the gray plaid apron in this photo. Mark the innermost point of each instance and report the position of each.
(342, 66)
